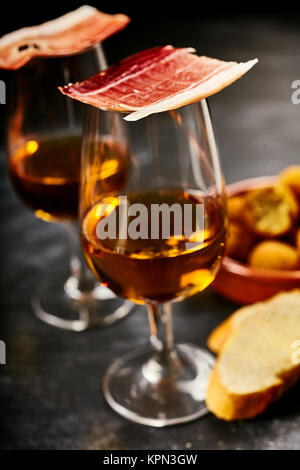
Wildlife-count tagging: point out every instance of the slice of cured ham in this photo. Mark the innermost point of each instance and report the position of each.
(67, 35)
(156, 80)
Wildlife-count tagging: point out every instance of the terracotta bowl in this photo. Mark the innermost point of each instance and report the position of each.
(239, 282)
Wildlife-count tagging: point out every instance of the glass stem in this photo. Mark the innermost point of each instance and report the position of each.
(80, 274)
(161, 329)
(165, 361)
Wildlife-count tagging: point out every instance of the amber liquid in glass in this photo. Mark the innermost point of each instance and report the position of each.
(46, 173)
(156, 270)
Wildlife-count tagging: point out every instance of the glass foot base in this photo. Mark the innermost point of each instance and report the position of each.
(134, 387)
(98, 291)
(69, 308)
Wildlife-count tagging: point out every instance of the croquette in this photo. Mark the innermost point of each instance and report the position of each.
(273, 254)
(238, 241)
(290, 177)
(297, 239)
(270, 211)
(235, 205)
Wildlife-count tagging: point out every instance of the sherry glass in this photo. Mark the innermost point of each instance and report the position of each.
(44, 149)
(154, 259)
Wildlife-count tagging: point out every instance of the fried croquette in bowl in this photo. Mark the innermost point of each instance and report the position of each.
(290, 177)
(271, 211)
(274, 254)
(235, 207)
(297, 239)
(239, 241)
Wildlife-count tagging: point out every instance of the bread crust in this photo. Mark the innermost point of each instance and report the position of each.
(223, 402)
(230, 406)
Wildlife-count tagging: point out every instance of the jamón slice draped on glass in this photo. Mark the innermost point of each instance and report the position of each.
(67, 35)
(156, 80)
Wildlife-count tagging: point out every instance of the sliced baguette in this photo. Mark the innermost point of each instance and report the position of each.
(219, 335)
(256, 363)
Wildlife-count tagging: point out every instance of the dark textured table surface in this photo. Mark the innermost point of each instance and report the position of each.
(50, 387)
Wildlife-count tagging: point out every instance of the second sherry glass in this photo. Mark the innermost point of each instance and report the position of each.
(44, 151)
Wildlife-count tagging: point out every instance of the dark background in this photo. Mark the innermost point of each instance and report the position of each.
(50, 388)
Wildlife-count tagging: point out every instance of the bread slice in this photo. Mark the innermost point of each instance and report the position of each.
(219, 335)
(256, 362)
